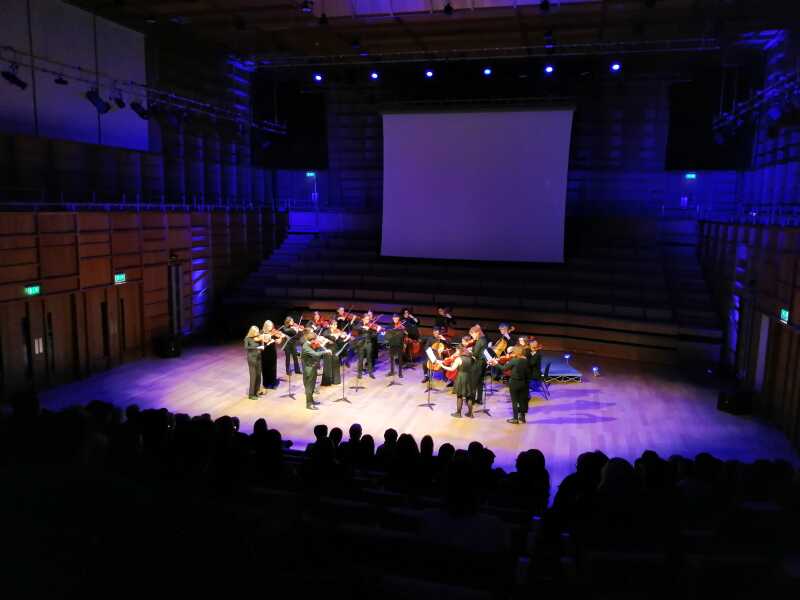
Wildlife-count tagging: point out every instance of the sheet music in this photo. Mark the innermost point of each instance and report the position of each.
(486, 355)
(431, 355)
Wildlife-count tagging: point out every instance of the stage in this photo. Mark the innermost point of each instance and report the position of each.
(628, 408)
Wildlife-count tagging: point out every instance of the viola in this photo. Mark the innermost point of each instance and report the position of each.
(448, 362)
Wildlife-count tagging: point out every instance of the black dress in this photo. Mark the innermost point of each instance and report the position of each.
(331, 369)
(463, 385)
(269, 366)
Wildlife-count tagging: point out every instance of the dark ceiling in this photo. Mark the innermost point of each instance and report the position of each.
(280, 31)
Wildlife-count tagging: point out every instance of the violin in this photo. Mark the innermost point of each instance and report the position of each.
(448, 362)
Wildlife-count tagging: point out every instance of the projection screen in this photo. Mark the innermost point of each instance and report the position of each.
(487, 185)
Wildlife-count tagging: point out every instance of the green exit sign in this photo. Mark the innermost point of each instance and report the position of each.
(784, 316)
(33, 290)
(119, 278)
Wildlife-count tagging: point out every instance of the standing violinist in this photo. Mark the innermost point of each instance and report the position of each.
(435, 338)
(479, 361)
(367, 340)
(317, 323)
(536, 363)
(292, 331)
(518, 381)
(344, 318)
(464, 364)
(443, 320)
(331, 367)
(411, 324)
(501, 345)
(311, 355)
(394, 339)
(269, 356)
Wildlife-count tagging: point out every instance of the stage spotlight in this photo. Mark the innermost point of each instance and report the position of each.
(10, 75)
(101, 105)
(306, 7)
(615, 67)
(373, 75)
(596, 371)
(119, 102)
(567, 357)
(318, 77)
(549, 69)
(448, 9)
(60, 80)
(487, 71)
(429, 74)
(140, 110)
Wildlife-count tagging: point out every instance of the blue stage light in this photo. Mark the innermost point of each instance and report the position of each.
(487, 71)
(567, 357)
(616, 67)
(428, 73)
(310, 174)
(548, 69)
(690, 176)
(317, 77)
(596, 371)
(373, 75)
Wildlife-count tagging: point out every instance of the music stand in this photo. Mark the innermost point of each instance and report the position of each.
(484, 408)
(390, 334)
(429, 352)
(341, 371)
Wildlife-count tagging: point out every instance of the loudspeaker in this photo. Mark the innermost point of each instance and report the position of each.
(739, 402)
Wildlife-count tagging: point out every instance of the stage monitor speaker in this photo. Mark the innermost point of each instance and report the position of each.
(736, 403)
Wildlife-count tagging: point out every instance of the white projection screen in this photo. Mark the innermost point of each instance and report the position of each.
(488, 185)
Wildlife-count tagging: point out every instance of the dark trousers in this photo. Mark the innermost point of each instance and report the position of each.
(365, 359)
(396, 354)
(520, 396)
(254, 366)
(309, 383)
(290, 352)
(478, 372)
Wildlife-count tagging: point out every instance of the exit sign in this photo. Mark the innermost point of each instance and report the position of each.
(119, 278)
(33, 290)
(784, 316)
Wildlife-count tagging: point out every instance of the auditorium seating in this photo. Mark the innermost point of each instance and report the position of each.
(198, 494)
(618, 300)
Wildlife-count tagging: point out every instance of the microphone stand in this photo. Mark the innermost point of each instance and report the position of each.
(342, 368)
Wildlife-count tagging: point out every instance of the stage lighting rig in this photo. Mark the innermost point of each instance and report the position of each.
(101, 105)
(10, 75)
(140, 110)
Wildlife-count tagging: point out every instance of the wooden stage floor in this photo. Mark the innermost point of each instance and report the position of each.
(630, 407)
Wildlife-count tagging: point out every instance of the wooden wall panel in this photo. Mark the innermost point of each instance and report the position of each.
(73, 256)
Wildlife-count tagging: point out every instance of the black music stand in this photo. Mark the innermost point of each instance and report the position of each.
(389, 334)
(428, 404)
(342, 368)
(290, 393)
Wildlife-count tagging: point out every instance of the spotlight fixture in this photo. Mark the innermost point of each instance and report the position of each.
(615, 67)
(60, 80)
(140, 110)
(567, 357)
(549, 69)
(119, 101)
(323, 19)
(318, 77)
(448, 9)
(487, 71)
(544, 6)
(596, 371)
(306, 7)
(101, 105)
(10, 75)
(429, 74)
(373, 75)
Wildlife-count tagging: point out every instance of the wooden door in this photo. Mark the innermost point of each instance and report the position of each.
(16, 349)
(62, 333)
(98, 330)
(129, 321)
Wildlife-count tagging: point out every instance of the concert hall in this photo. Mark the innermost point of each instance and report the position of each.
(308, 297)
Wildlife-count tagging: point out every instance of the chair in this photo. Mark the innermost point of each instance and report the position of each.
(541, 384)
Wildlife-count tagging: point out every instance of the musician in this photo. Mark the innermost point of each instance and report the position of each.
(331, 367)
(411, 324)
(518, 381)
(500, 346)
(394, 339)
(317, 323)
(367, 341)
(253, 348)
(292, 331)
(344, 318)
(536, 363)
(436, 337)
(479, 346)
(311, 354)
(269, 356)
(463, 363)
(443, 320)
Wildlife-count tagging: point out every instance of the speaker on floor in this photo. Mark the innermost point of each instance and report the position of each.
(739, 402)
